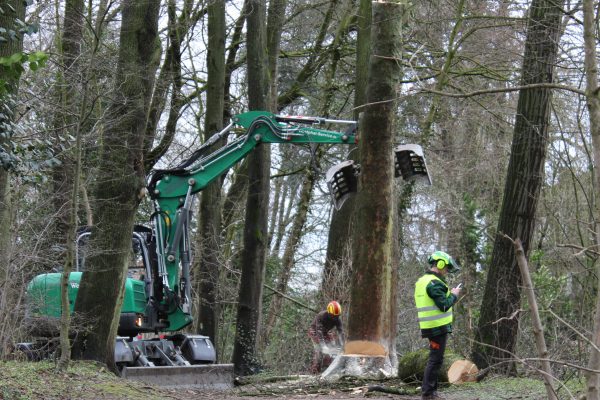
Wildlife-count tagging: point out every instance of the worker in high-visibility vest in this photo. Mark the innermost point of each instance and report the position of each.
(434, 301)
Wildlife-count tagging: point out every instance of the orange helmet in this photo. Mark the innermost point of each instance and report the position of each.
(334, 308)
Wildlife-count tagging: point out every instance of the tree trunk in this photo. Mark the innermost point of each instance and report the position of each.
(339, 240)
(593, 104)
(210, 203)
(371, 301)
(498, 323)
(71, 51)
(275, 22)
(7, 104)
(16, 10)
(245, 359)
(121, 179)
(455, 368)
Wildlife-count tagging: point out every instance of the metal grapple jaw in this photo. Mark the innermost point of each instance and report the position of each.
(409, 163)
(342, 180)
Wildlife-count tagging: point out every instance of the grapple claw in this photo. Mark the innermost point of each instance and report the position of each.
(342, 180)
(410, 164)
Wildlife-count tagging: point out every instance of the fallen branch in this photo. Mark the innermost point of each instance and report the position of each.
(387, 389)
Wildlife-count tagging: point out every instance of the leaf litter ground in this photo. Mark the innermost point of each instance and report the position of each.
(86, 380)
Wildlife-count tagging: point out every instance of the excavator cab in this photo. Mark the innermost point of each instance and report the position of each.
(409, 163)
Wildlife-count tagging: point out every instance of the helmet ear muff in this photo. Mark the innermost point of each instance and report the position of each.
(441, 264)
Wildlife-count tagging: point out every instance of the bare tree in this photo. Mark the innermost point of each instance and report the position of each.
(255, 227)
(210, 204)
(593, 105)
(71, 50)
(339, 240)
(499, 318)
(121, 181)
(373, 289)
(10, 85)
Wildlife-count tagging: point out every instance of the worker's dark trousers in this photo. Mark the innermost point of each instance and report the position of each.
(437, 346)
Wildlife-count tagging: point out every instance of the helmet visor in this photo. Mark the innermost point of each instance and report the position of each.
(453, 266)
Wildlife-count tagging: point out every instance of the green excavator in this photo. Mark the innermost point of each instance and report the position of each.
(157, 299)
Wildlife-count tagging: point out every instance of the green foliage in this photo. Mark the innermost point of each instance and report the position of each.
(13, 66)
(549, 287)
(272, 268)
(26, 157)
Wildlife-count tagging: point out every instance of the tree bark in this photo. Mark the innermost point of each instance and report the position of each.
(245, 359)
(372, 291)
(498, 323)
(8, 100)
(209, 241)
(8, 294)
(339, 239)
(121, 179)
(275, 22)
(71, 51)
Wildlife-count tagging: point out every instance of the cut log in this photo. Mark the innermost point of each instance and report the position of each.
(454, 370)
(462, 371)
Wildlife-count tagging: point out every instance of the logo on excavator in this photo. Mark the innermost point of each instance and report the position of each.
(74, 285)
(323, 134)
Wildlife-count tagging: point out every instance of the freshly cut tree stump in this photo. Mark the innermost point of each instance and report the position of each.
(360, 358)
(363, 347)
(454, 370)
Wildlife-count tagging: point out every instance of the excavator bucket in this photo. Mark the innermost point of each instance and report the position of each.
(342, 180)
(205, 376)
(410, 164)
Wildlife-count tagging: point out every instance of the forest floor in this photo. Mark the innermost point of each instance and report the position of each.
(84, 380)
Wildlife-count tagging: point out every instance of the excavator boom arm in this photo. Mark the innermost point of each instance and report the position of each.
(173, 190)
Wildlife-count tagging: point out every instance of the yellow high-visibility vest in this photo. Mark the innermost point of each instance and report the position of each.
(429, 314)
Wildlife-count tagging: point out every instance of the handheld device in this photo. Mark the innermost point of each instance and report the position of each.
(459, 286)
